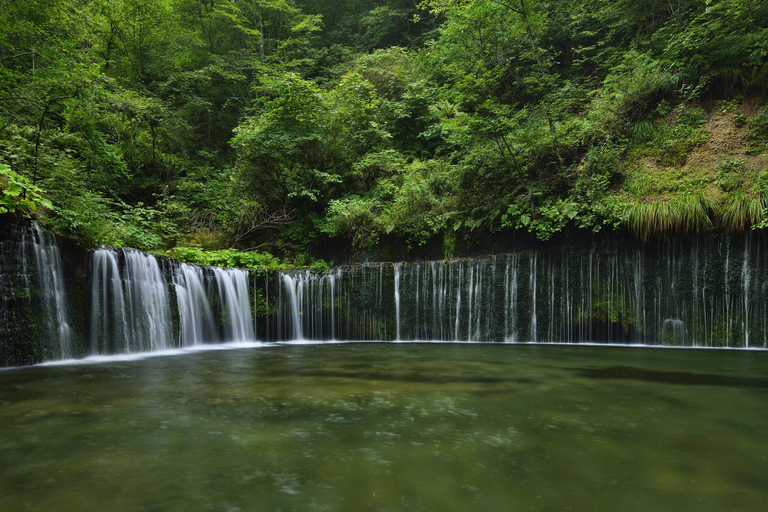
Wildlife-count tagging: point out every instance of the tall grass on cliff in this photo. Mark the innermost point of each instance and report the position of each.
(739, 212)
(684, 214)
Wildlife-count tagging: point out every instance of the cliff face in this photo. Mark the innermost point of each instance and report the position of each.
(43, 304)
(60, 301)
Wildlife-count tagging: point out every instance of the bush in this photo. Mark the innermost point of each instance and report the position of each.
(352, 217)
(758, 128)
(681, 135)
(19, 195)
(739, 212)
(225, 258)
(92, 219)
(729, 174)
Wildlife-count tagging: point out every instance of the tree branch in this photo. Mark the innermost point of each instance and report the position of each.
(509, 6)
(261, 219)
(33, 52)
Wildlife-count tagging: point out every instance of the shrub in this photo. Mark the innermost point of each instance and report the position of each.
(225, 258)
(730, 174)
(19, 195)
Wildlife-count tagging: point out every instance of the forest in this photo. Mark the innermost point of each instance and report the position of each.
(279, 132)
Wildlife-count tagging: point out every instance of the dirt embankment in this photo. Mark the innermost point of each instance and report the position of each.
(728, 139)
(726, 142)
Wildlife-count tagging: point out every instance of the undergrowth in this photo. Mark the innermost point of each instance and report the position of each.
(685, 214)
(232, 258)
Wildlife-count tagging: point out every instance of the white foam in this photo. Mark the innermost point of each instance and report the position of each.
(244, 345)
(114, 358)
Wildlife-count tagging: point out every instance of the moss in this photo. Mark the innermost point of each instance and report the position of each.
(22, 343)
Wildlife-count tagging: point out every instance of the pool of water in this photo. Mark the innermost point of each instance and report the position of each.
(390, 427)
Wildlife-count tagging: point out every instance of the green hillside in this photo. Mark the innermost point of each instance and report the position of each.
(306, 128)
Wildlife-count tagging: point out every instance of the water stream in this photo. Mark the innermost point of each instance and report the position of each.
(198, 324)
(130, 304)
(50, 274)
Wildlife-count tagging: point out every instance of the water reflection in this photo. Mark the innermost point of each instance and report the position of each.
(670, 377)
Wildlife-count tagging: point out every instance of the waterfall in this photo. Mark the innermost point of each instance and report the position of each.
(197, 322)
(130, 309)
(746, 280)
(510, 299)
(131, 297)
(695, 291)
(397, 300)
(458, 302)
(626, 293)
(107, 302)
(50, 274)
(332, 284)
(533, 275)
(235, 303)
(214, 304)
(35, 323)
(347, 303)
(146, 292)
(291, 286)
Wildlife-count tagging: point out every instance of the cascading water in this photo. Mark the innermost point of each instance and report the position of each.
(609, 293)
(397, 267)
(146, 292)
(130, 308)
(50, 274)
(214, 304)
(703, 291)
(235, 303)
(34, 317)
(197, 322)
(294, 289)
(309, 307)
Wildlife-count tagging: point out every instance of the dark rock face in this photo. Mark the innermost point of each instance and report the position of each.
(57, 301)
(19, 325)
(43, 283)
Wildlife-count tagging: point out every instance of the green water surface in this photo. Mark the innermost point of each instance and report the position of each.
(390, 427)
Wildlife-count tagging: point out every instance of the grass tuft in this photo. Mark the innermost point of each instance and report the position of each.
(740, 212)
(685, 214)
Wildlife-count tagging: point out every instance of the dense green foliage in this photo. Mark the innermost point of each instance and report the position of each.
(294, 126)
(19, 195)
